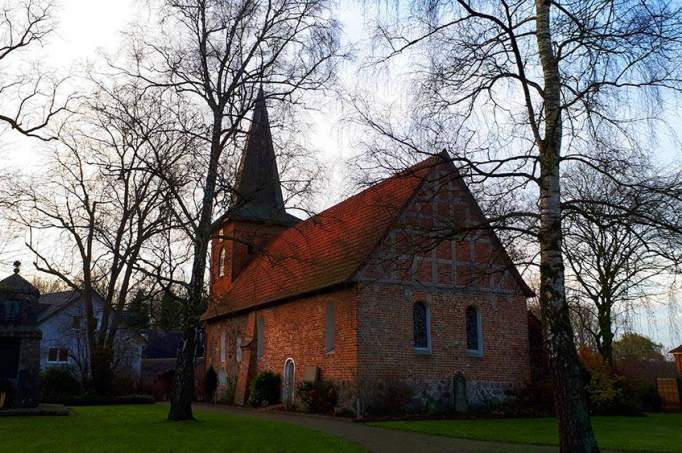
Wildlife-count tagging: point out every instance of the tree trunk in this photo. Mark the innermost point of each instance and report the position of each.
(183, 391)
(181, 400)
(575, 426)
(606, 334)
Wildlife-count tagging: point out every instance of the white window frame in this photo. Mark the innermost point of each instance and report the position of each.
(58, 362)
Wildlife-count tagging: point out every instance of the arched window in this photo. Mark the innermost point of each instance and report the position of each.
(221, 263)
(421, 321)
(473, 329)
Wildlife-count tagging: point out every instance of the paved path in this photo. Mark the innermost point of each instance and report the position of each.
(380, 440)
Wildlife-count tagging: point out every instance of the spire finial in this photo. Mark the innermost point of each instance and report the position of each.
(17, 266)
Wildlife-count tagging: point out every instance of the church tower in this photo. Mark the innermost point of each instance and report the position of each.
(257, 213)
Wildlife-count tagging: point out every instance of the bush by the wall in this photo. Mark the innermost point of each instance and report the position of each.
(59, 384)
(318, 397)
(265, 389)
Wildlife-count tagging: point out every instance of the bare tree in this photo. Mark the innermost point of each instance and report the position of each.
(518, 89)
(216, 55)
(99, 199)
(29, 94)
(618, 240)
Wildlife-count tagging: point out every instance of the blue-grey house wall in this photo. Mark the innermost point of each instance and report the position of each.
(58, 332)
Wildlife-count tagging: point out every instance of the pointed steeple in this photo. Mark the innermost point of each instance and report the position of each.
(258, 189)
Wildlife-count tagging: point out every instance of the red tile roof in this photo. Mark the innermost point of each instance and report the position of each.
(327, 249)
(677, 350)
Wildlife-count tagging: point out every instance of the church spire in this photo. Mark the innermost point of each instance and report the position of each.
(258, 188)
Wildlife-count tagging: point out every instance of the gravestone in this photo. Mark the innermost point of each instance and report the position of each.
(460, 392)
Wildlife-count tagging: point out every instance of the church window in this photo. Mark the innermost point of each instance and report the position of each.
(239, 349)
(260, 337)
(221, 263)
(473, 330)
(222, 347)
(330, 327)
(421, 319)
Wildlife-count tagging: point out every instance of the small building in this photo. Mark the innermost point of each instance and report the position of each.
(19, 342)
(61, 318)
(370, 293)
(677, 354)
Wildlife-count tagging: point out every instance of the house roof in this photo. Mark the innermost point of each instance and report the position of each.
(18, 284)
(677, 350)
(51, 303)
(326, 249)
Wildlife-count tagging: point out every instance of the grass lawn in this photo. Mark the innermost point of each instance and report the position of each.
(143, 428)
(654, 433)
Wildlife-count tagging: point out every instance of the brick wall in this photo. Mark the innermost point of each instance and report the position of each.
(420, 261)
(294, 330)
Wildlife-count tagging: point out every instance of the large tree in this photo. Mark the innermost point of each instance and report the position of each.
(100, 203)
(517, 90)
(622, 244)
(217, 55)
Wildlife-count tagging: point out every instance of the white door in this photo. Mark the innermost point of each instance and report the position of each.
(288, 387)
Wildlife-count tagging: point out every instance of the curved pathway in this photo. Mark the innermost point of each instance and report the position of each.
(380, 440)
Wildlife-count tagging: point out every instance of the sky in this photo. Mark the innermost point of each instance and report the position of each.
(85, 28)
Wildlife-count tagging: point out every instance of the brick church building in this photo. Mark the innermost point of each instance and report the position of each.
(373, 291)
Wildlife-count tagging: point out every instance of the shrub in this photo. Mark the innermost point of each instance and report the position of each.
(613, 394)
(210, 384)
(59, 384)
(265, 389)
(318, 397)
(123, 385)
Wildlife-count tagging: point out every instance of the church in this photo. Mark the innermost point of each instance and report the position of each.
(401, 284)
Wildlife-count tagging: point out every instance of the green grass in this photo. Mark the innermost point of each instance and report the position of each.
(653, 433)
(143, 428)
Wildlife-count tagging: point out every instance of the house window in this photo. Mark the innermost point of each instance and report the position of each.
(421, 322)
(221, 263)
(473, 329)
(58, 355)
(222, 347)
(76, 322)
(260, 337)
(330, 326)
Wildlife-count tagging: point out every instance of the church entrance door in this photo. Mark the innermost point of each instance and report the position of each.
(288, 387)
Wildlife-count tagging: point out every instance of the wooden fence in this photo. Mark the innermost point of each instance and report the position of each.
(669, 392)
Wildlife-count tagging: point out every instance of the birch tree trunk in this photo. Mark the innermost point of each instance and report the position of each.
(575, 426)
